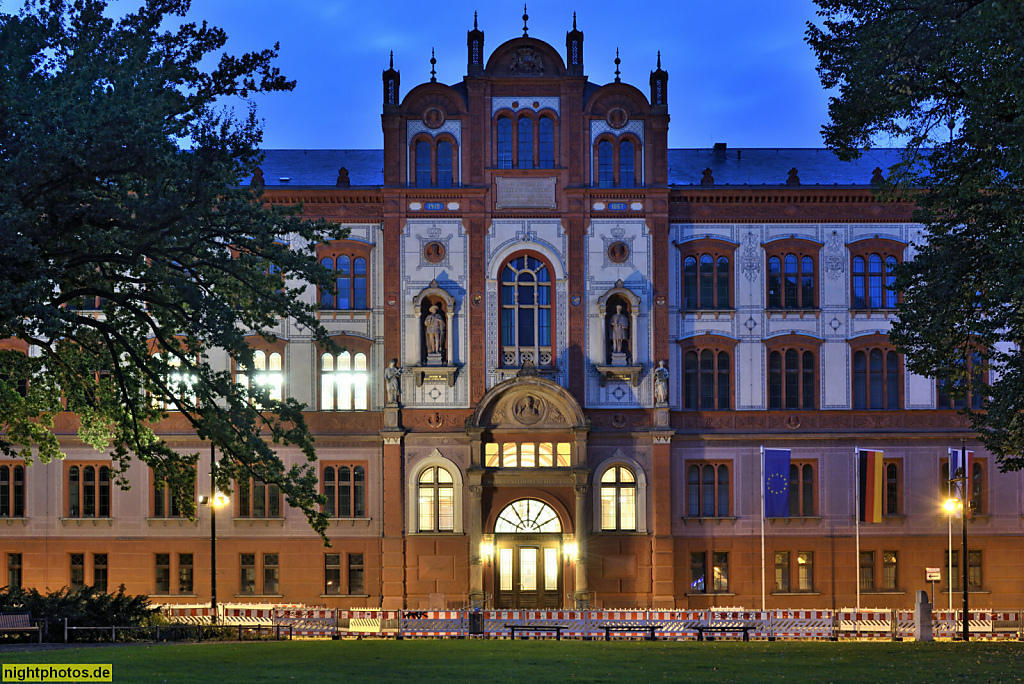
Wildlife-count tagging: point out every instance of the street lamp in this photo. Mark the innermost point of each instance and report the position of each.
(952, 505)
(217, 500)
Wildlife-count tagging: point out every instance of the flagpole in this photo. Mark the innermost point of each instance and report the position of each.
(856, 517)
(763, 484)
(949, 516)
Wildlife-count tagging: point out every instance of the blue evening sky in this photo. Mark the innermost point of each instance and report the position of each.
(739, 70)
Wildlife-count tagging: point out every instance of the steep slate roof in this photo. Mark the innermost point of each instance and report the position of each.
(750, 167)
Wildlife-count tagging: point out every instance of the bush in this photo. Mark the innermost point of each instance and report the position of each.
(84, 607)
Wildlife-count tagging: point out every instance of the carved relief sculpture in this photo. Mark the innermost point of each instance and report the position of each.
(392, 383)
(661, 385)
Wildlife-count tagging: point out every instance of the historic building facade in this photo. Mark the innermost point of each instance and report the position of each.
(565, 346)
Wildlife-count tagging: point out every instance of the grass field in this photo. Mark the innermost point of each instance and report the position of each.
(546, 661)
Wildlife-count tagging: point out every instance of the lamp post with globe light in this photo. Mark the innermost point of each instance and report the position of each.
(216, 500)
(951, 506)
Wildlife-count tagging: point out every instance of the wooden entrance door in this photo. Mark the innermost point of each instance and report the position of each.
(528, 572)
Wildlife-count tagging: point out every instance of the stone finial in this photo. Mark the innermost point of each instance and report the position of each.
(433, 72)
(706, 179)
(257, 178)
(793, 179)
(617, 63)
(526, 18)
(342, 181)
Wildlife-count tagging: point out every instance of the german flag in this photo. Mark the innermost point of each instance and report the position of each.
(870, 486)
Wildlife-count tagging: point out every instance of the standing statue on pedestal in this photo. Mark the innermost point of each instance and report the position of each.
(392, 383)
(434, 327)
(661, 385)
(619, 324)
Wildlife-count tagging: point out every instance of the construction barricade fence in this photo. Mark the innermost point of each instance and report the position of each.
(295, 621)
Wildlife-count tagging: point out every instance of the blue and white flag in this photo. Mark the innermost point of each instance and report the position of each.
(776, 483)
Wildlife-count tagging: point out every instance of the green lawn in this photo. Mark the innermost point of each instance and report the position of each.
(415, 661)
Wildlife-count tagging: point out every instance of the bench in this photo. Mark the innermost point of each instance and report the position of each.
(726, 626)
(650, 628)
(18, 623)
(551, 627)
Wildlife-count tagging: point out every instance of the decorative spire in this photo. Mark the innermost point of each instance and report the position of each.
(526, 18)
(474, 21)
(391, 60)
(433, 61)
(617, 63)
(573, 21)
(659, 59)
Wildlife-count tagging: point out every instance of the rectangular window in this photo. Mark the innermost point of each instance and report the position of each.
(247, 573)
(805, 571)
(257, 499)
(505, 569)
(698, 572)
(782, 571)
(77, 580)
(889, 570)
(867, 570)
(355, 574)
(271, 576)
(332, 573)
(550, 569)
(974, 570)
(185, 573)
(721, 571)
(14, 570)
(163, 573)
(345, 488)
(99, 571)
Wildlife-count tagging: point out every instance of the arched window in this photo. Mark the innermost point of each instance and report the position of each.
(801, 489)
(876, 379)
(791, 379)
(707, 275)
(527, 516)
(12, 491)
(351, 281)
(791, 280)
(423, 164)
(706, 381)
(526, 312)
(525, 142)
(88, 491)
(707, 490)
(266, 372)
(436, 500)
(445, 165)
(343, 382)
(345, 489)
(504, 134)
(873, 273)
(952, 395)
(618, 499)
(546, 143)
(627, 165)
(605, 164)
(179, 384)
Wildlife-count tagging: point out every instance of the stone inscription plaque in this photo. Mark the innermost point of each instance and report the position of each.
(531, 193)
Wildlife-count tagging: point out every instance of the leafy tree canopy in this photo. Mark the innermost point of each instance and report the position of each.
(121, 187)
(946, 78)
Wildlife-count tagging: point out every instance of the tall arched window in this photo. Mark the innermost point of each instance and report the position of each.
(526, 312)
(445, 165)
(801, 489)
(266, 372)
(423, 164)
(12, 491)
(627, 165)
(345, 489)
(343, 382)
(88, 491)
(350, 280)
(706, 382)
(707, 490)
(546, 143)
(525, 143)
(527, 516)
(707, 275)
(791, 379)
(618, 499)
(876, 379)
(504, 134)
(873, 273)
(436, 500)
(790, 282)
(605, 164)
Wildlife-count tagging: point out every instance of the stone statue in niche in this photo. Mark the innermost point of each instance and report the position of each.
(661, 385)
(434, 331)
(618, 325)
(392, 383)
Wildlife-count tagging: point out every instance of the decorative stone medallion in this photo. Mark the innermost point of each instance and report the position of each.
(617, 117)
(528, 409)
(434, 252)
(433, 118)
(618, 252)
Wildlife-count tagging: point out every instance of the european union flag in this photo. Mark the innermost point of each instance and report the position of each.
(776, 483)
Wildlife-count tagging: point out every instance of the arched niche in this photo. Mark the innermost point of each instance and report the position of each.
(615, 303)
(434, 362)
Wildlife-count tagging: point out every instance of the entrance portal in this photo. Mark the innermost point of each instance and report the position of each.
(528, 546)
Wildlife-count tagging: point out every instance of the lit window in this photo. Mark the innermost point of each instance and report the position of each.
(889, 570)
(266, 372)
(527, 516)
(805, 571)
(618, 499)
(782, 571)
(527, 455)
(344, 382)
(179, 384)
(721, 571)
(436, 495)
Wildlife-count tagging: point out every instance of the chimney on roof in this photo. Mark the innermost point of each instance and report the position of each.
(720, 149)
